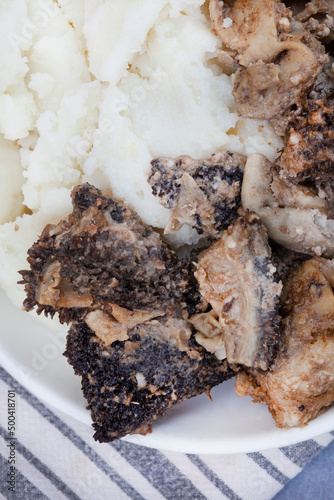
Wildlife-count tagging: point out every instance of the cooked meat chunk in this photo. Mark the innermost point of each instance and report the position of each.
(301, 382)
(209, 332)
(279, 59)
(130, 383)
(308, 155)
(318, 19)
(294, 215)
(249, 29)
(114, 322)
(264, 90)
(103, 254)
(237, 278)
(204, 194)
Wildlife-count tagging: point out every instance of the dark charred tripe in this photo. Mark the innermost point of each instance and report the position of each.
(204, 194)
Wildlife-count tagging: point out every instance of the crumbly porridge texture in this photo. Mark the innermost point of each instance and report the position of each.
(128, 384)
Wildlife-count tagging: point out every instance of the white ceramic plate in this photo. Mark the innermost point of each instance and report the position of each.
(32, 353)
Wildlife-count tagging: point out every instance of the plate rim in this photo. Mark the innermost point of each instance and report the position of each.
(160, 438)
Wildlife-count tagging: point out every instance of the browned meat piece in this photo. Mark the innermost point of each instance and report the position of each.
(301, 382)
(249, 28)
(308, 155)
(130, 383)
(238, 280)
(265, 90)
(279, 60)
(204, 194)
(318, 19)
(103, 254)
(125, 294)
(295, 215)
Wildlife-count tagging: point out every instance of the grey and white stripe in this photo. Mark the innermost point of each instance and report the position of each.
(51, 476)
(23, 485)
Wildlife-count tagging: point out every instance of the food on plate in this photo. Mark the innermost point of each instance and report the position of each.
(308, 155)
(237, 278)
(279, 58)
(129, 383)
(137, 82)
(124, 294)
(283, 75)
(318, 19)
(205, 194)
(295, 215)
(132, 304)
(103, 254)
(300, 384)
(189, 268)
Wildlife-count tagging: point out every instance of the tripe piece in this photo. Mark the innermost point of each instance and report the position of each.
(295, 215)
(204, 194)
(301, 382)
(279, 59)
(237, 278)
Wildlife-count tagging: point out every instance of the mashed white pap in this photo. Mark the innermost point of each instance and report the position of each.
(93, 90)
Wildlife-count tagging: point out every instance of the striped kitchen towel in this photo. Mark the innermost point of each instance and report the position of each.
(56, 458)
